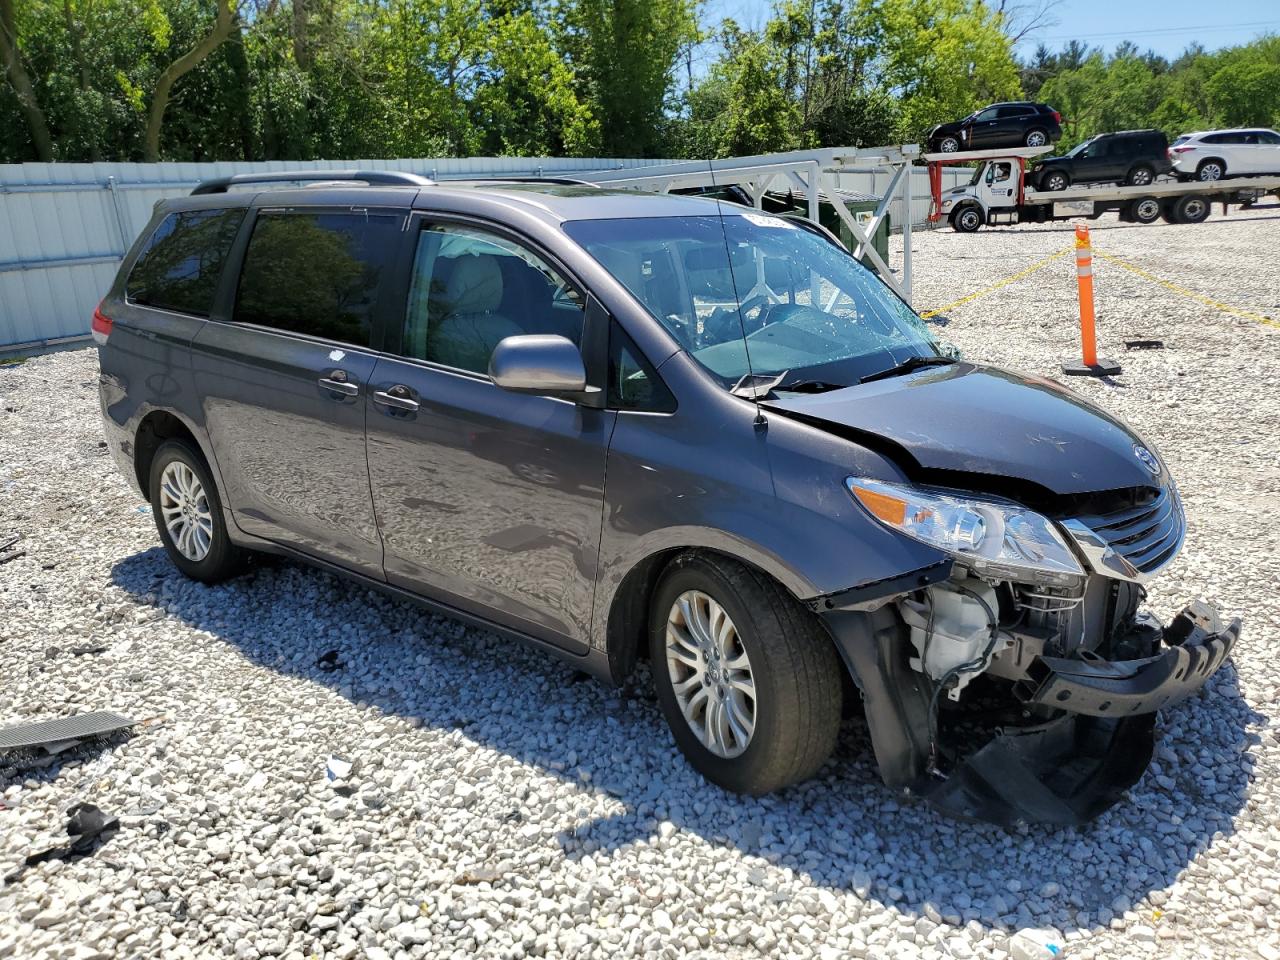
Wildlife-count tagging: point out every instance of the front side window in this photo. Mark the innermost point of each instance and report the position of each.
(181, 263)
(472, 289)
(633, 383)
(316, 273)
(753, 294)
(989, 114)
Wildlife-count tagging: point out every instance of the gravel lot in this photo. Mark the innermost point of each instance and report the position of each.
(498, 807)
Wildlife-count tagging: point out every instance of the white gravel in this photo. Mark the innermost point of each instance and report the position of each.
(496, 807)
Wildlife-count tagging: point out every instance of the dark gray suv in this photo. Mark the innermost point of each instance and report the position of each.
(626, 426)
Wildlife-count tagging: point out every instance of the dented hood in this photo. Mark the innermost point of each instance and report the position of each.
(983, 420)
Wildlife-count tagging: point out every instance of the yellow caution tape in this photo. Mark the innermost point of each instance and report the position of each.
(1021, 274)
(1207, 301)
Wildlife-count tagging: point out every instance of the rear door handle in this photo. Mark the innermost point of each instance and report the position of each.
(344, 387)
(398, 397)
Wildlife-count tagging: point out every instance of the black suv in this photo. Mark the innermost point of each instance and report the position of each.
(1132, 156)
(1015, 124)
(622, 426)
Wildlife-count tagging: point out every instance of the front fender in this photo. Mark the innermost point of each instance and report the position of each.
(772, 496)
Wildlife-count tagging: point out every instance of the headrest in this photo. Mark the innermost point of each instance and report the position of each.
(475, 286)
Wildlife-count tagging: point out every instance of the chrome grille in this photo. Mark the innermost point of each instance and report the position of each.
(1145, 537)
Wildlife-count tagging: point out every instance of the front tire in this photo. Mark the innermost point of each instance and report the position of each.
(1055, 180)
(948, 144)
(747, 679)
(966, 220)
(188, 514)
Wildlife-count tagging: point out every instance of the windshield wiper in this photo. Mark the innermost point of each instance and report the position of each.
(757, 386)
(907, 366)
(809, 386)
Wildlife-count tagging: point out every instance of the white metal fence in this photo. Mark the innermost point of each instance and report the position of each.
(64, 227)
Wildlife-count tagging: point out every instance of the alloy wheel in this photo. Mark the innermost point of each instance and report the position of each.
(1056, 181)
(1211, 171)
(184, 507)
(1036, 139)
(710, 674)
(949, 145)
(1141, 177)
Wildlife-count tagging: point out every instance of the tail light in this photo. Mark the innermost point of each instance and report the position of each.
(1057, 118)
(1173, 150)
(100, 326)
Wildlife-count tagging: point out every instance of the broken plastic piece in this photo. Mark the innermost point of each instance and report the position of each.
(86, 826)
(81, 727)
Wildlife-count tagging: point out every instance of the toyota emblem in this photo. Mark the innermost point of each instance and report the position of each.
(1148, 459)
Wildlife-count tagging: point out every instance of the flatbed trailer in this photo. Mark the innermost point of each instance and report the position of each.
(999, 194)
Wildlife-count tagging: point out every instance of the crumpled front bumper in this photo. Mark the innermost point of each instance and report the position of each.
(1094, 743)
(1070, 769)
(1196, 645)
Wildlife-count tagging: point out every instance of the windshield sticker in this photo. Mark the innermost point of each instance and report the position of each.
(760, 220)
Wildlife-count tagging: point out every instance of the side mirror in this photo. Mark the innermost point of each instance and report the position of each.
(539, 363)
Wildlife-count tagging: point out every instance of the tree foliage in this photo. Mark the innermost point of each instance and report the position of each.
(303, 79)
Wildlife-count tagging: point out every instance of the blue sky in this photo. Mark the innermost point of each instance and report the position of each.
(1166, 26)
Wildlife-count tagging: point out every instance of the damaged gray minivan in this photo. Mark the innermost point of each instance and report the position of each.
(625, 426)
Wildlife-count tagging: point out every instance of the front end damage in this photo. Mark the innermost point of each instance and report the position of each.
(1015, 701)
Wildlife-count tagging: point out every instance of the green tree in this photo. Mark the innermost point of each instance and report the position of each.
(624, 54)
(761, 117)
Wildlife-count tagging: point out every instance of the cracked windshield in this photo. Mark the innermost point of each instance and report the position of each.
(756, 297)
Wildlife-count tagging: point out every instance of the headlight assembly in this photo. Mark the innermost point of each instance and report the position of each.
(991, 537)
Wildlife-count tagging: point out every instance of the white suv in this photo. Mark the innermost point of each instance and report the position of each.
(1215, 154)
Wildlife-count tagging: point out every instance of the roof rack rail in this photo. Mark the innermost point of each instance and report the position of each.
(553, 181)
(395, 178)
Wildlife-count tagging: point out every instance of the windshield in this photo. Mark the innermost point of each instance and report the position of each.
(808, 309)
(977, 174)
(1079, 148)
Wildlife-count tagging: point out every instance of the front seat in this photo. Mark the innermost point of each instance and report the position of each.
(469, 326)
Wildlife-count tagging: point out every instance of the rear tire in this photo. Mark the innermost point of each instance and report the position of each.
(188, 514)
(1211, 170)
(966, 220)
(1036, 138)
(1191, 209)
(1144, 210)
(771, 645)
(1140, 176)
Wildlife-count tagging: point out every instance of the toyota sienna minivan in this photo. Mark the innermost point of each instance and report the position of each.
(631, 427)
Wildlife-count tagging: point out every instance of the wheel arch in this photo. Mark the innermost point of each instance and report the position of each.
(626, 617)
(155, 427)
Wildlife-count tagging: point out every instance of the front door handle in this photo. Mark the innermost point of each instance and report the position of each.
(337, 382)
(397, 397)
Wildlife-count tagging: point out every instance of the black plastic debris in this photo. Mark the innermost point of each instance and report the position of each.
(328, 661)
(42, 733)
(87, 826)
(1144, 344)
(85, 650)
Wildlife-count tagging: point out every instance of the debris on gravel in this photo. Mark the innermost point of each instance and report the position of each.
(326, 772)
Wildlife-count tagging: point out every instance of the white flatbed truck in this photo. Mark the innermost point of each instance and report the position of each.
(998, 194)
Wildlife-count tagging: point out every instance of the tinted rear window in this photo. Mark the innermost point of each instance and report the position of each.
(180, 265)
(317, 273)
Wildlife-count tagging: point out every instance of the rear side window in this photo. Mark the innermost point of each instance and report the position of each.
(1268, 138)
(1006, 112)
(317, 273)
(182, 261)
